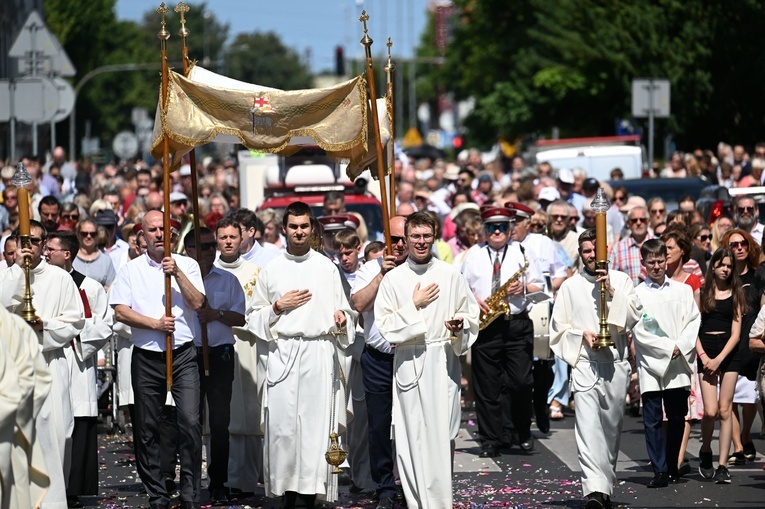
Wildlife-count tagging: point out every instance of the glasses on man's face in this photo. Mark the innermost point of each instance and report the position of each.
(180, 203)
(745, 209)
(395, 239)
(35, 241)
(71, 217)
(88, 234)
(636, 220)
(535, 226)
(620, 198)
(704, 238)
(658, 211)
(493, 228)
(417, 237)
(573, 218)
(558, 217)
(736, 244)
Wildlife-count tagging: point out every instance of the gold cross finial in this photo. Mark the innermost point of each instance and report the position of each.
(182, 9)
(163, 34)
(364, 18)
(389, 65)
(389, 44)
(366, 41)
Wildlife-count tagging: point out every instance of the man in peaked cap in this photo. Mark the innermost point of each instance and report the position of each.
(504, 347)
(330, 225)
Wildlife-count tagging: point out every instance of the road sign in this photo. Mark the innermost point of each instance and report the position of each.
(65, 99)
(35, 100)
(125, 145)
(650, 95)
(34, 36)
(5, 100)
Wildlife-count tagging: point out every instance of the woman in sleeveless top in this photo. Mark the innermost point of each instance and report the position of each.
(722, 306)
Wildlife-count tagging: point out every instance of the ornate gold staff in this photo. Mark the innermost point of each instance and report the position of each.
(164, 35)
(389, 68)
(182, 9)
(367, 41)
(21, 179)
(601, 205)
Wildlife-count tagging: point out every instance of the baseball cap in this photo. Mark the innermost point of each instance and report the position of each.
(105, 217)
(549, 194)
(566, 176)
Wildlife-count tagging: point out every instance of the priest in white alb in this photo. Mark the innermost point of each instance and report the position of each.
(425, 308)
(599, 376)
(60, 318)
(301, 310)
(10, 398)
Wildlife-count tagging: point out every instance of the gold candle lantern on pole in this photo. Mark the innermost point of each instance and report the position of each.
(21, 179)
(601, 205)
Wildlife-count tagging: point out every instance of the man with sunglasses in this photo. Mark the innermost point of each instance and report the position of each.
(504, 349)
(60, 318)
(746, 216)
(625, 255)
(377, 366)
(224, 309)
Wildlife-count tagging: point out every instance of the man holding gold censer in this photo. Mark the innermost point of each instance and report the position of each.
(500, 274)
(592, 315)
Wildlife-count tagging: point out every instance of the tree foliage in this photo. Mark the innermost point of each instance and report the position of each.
(262, 58)
(535, 64)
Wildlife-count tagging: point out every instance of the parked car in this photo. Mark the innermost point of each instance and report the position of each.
(668, 189)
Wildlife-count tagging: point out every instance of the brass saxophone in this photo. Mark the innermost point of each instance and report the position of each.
(497, 301)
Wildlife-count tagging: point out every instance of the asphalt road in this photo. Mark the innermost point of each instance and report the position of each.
(546, 478)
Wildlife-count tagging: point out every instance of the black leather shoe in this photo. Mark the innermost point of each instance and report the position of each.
(189, 505)
(673, 478)
(218, 496)
(595, 500)
(527, 445)
(489, 451)
(385, 503)
(659, 480)
(73, 502)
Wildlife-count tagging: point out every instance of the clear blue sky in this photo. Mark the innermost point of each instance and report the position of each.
(317, 26)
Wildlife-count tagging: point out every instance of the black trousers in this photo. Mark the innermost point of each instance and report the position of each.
(216, 392)
(377, 370)
(149, 385)
(502, 361)
(663, 452)
(83, 475)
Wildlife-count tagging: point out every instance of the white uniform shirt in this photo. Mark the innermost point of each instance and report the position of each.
(372, 336)
(141, 286)
(259, 255)
(225, 293)
(478, 268)
(544, 251)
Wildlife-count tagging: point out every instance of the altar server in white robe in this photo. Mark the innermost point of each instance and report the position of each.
(60, 249)
(299, 304)
(599, 377)
(245, 458)
(10, 398)
(665, 346)
(60, 318)
(426, 309)
(30, 480)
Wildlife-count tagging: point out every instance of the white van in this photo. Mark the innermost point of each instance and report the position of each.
(597, 160)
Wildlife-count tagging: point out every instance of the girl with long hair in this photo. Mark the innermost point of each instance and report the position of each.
(723, 305)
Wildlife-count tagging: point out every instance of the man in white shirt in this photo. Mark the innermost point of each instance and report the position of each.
(251, 248)
(377, 366)
(138, 301)
(245, 460)
(665, 345)
(426, 308)
(223, 310)
(504, 349)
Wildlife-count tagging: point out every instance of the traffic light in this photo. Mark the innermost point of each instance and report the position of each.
(339, 61)
(457, 142)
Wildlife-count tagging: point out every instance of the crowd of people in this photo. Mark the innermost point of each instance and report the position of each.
(289, 335)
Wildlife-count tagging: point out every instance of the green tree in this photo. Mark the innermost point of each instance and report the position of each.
(262, 58)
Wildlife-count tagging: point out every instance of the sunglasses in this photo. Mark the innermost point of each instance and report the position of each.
(88, 234)
(636, 220)
(658, 211)
(558, 217)
(72, 217)
(746, 209)
(206, 246)
(620, 198)
(395, 239)
(704, 238)
(738, 244)
(35, 241)
(496, 227)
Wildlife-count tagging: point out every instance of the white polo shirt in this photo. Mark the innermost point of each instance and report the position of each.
(225, 293)
(372, 336)
(140, 284)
